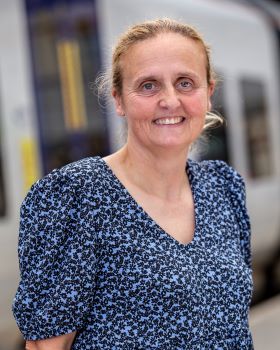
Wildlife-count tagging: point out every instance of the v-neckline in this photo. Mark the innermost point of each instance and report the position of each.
(167, 235)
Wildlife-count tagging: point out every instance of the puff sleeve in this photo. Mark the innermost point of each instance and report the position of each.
(235, 187)
(57, 259)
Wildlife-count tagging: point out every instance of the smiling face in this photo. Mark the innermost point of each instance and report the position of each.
(165, 94)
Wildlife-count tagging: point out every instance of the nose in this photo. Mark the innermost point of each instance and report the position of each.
(169, 98)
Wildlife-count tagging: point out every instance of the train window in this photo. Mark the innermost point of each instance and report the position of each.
(256, 126)
(2, 189)
(66, 59)
(216, 144)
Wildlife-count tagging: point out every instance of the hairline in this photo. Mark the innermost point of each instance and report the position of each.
(150, 36)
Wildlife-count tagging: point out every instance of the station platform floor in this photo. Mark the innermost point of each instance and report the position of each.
(265, 324)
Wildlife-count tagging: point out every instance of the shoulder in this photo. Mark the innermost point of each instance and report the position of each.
(64, 190)
(87, 170)
(85, 167)
(71, 176)
(218, 175)
(216, 170)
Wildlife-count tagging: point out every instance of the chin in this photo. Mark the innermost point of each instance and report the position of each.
(174, 146)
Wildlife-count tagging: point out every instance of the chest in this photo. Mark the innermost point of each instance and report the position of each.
(141, 263)
(175, 219)
(140, 253)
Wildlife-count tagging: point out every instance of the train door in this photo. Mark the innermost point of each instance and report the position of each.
(64, 43)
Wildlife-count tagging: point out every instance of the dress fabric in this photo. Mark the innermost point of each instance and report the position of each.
(93, 260)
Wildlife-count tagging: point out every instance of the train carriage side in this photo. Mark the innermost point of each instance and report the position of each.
(244, 55)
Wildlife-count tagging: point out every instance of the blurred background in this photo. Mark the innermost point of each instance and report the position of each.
(50, 54)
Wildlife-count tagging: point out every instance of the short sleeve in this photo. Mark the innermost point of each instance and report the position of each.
(57, 260)
(235, 186)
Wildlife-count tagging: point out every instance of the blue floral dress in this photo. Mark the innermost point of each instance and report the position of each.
(93, 260)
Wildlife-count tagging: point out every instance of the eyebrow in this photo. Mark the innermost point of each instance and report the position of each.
(144, 78)
(148, 77)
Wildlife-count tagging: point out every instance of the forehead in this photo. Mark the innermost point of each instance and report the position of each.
(165, 51)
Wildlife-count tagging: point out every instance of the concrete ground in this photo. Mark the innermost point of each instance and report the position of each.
(265, 324)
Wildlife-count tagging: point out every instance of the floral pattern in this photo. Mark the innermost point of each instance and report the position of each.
(93, 260)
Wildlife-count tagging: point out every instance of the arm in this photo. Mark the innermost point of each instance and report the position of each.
(61, 342)
(57, 262)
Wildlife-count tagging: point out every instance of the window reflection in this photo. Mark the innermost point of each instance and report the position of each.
(257, 134)
(216, 144)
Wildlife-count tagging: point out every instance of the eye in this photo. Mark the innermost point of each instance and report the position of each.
(185, 84)
(148, 86)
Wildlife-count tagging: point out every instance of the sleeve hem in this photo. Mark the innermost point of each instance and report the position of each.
(50, 334)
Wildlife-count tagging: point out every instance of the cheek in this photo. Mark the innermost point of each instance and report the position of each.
(198, 106)
(140, 112)
(197, 109)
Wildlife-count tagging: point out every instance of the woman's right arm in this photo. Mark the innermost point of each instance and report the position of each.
(57, 262)
(61, 342)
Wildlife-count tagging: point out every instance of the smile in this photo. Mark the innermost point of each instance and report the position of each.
(169, 121)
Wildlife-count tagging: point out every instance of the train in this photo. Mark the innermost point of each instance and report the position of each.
(51, 53)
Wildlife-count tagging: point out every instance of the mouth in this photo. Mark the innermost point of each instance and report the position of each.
(169, 121)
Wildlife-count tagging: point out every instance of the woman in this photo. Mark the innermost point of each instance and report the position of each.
(141, 249)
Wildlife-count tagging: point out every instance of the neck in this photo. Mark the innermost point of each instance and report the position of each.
(161, 173)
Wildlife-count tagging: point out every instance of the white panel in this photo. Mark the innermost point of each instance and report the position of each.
(18, 120)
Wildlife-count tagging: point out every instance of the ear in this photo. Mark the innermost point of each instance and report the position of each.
(118, 103)
(211, 89)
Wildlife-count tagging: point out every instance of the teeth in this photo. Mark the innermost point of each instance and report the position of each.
(168, 121)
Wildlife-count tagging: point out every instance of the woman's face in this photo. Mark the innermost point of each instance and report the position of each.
(165, 94)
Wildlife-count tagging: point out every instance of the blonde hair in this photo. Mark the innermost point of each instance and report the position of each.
(144, 31)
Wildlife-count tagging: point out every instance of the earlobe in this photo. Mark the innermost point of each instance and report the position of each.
(118, 103)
